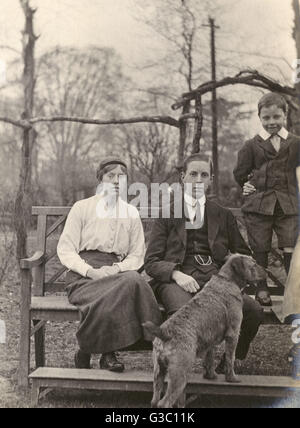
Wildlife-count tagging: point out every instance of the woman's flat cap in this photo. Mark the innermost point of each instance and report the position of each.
(111, 160)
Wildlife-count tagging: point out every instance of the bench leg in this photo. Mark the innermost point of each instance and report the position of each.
(25, 329)
(39, 340)
(35, 393)
(24, 358)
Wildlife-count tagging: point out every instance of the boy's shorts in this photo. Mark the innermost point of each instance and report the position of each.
(260, 229)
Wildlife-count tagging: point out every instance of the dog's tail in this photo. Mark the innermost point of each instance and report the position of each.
(152, 331)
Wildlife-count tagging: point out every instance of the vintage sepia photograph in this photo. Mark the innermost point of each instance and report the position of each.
(149, 206)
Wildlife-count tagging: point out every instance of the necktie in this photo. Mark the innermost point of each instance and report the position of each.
(198, 221)
(276, 142)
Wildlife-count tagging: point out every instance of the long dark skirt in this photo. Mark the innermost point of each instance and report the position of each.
(112, 309)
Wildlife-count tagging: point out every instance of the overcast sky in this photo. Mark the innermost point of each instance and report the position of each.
(265, 26)
(111, 22)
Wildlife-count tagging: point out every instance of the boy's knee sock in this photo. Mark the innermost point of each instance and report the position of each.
(287, 261)
(262, 259)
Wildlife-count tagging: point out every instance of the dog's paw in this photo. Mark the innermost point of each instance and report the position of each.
(210, 376)
(155, 401)
(232, 379)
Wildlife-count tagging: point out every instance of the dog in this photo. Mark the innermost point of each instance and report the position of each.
(212, 316)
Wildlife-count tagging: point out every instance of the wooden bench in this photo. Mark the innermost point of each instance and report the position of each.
(39, 300)
(46, 379)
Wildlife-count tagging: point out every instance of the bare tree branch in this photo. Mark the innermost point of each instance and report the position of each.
(24, 124)
(168, 120)
(10, 49)
(246, 77)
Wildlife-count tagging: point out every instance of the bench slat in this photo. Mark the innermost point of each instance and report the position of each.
(55, 287)
(52, 303)
(58, 308)
(54, 226)
(57, 275)
(51, 211)
(264, 386)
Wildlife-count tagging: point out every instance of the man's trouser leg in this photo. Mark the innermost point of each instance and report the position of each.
(172, 297)
(252, 318)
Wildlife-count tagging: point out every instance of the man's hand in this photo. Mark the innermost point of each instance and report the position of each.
(103, 272)
(248, 189)
(186, 282)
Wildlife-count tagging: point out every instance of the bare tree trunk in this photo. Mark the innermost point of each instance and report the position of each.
(23, 199)
(183, 134)
(198, 124)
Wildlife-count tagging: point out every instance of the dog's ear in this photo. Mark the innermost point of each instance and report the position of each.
(239, 266)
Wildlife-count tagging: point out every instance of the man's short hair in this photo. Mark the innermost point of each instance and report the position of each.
(271, 99)
(200, 158)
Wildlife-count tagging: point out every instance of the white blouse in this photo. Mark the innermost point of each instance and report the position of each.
(92, 225)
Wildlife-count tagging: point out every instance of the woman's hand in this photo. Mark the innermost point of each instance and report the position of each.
(110, 270)
(186, 282)
(248, 189)
(103, 272)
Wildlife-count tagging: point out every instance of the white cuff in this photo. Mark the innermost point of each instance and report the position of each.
(118, 265)
(85, 270)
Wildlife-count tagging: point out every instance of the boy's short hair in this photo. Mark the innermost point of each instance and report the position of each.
(200, 158)
(270, 99)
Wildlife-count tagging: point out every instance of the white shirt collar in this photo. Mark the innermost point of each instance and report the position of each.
(192, 201)
(283, 133)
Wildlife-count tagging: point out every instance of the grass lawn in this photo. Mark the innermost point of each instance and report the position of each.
(268, 356)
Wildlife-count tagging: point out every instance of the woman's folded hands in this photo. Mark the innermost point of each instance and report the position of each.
(103, 272)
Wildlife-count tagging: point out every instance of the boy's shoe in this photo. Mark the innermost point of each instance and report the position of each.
(109, 362)
(82, 360)
(263, 297)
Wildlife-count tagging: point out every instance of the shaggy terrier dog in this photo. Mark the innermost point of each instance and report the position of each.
(212, 316)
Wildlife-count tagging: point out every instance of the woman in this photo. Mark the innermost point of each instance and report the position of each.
(103, 246)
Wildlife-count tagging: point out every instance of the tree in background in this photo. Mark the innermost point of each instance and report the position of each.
(77, 83)
(231, 137)
(183, 63)
(150, 152)
(182, 60)
(10, 143)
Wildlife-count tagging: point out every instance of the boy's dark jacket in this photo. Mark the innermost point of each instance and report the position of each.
(273, 175)
(168, 241)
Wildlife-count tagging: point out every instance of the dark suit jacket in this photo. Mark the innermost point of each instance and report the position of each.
(168, 241)
(273, 175)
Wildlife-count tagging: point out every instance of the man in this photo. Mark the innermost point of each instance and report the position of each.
(185, 252)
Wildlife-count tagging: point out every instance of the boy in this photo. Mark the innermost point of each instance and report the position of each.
(266, 169)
